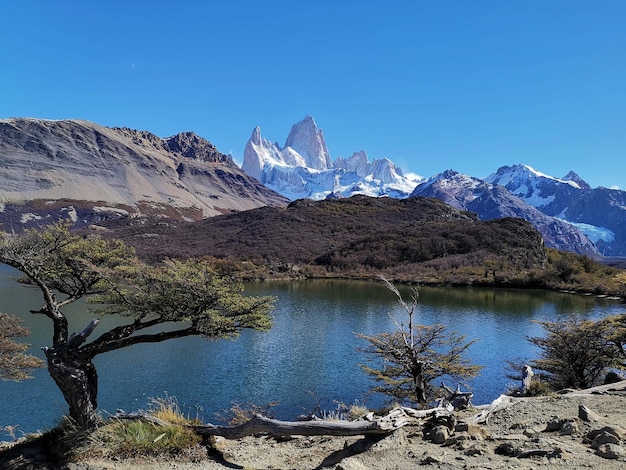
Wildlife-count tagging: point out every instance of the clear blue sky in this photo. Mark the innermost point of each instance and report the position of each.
(470, 84)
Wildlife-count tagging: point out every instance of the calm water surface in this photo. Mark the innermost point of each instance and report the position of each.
(309, 357)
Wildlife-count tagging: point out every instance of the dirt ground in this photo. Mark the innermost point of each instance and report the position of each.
(528, 434)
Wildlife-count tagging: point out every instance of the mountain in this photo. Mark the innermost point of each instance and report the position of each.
(492, 201)
(302, 168)
(600, 213)
(87, 172)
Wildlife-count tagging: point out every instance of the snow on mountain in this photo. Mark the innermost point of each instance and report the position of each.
(303, 168)
(600, 213)
(536, 188)
(492, 201)
(595, 234)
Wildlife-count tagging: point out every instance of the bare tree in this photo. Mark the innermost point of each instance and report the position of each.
(410, 358)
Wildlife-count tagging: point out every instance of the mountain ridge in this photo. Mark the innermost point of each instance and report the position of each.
(357, 236)
(74, 166)
(492, 201)
(76, 169)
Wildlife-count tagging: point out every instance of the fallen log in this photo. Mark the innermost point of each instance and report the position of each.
(262, 425)
(598, 390)
(500, 403)
(422, 414)
(505, 401)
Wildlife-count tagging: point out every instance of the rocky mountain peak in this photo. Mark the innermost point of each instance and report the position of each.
(572, 176)
(358, 163)
(307, 140)
(385, 170)
(190, 145)
(255, 138)
(302, 168)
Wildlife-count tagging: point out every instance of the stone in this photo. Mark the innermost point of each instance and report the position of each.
(611, 451)
(510, 449)
(604, 437)
(476, 449)
(439, 434)
(556, 424)
(587, 415)
(618, 432)
(475, 431)
(569, 428)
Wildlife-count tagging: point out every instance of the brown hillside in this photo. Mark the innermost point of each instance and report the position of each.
(343, 236)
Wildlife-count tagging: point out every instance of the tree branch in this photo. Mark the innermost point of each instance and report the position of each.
(78, 339)
(99, 347)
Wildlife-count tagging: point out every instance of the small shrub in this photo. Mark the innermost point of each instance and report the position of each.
(242, 413)
(357, 411)
(167, 409)
(128, 439)
(138, 438)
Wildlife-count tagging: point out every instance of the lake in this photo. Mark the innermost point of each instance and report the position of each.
(310, 356)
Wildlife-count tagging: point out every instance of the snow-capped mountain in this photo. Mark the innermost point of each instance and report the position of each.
(492, 201)
(302, 168)
(600, 213)
(536, 188)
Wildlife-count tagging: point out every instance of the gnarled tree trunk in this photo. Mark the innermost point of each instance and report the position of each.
(76, 376)
(77, 379)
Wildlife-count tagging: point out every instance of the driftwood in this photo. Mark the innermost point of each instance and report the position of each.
(370, 425)
(505, 401)
(262, 425)
(458, 399)
(600, 389)
(527, 377)
(259, 424)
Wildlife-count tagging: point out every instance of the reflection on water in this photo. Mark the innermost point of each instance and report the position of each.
(310, 355)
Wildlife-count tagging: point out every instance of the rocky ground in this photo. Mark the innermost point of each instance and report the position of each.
(573, 431)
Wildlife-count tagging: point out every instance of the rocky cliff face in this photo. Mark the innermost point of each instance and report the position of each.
(307, 140)
(84, 171)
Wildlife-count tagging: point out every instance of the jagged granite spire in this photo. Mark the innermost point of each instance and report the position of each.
(307, 140)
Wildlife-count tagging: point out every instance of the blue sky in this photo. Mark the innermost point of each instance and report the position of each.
(432, 85)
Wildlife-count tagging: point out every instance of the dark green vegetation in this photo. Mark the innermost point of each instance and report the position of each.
(187, 295)
(407, 240)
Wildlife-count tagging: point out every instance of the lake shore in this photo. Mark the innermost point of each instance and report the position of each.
(529, 434)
